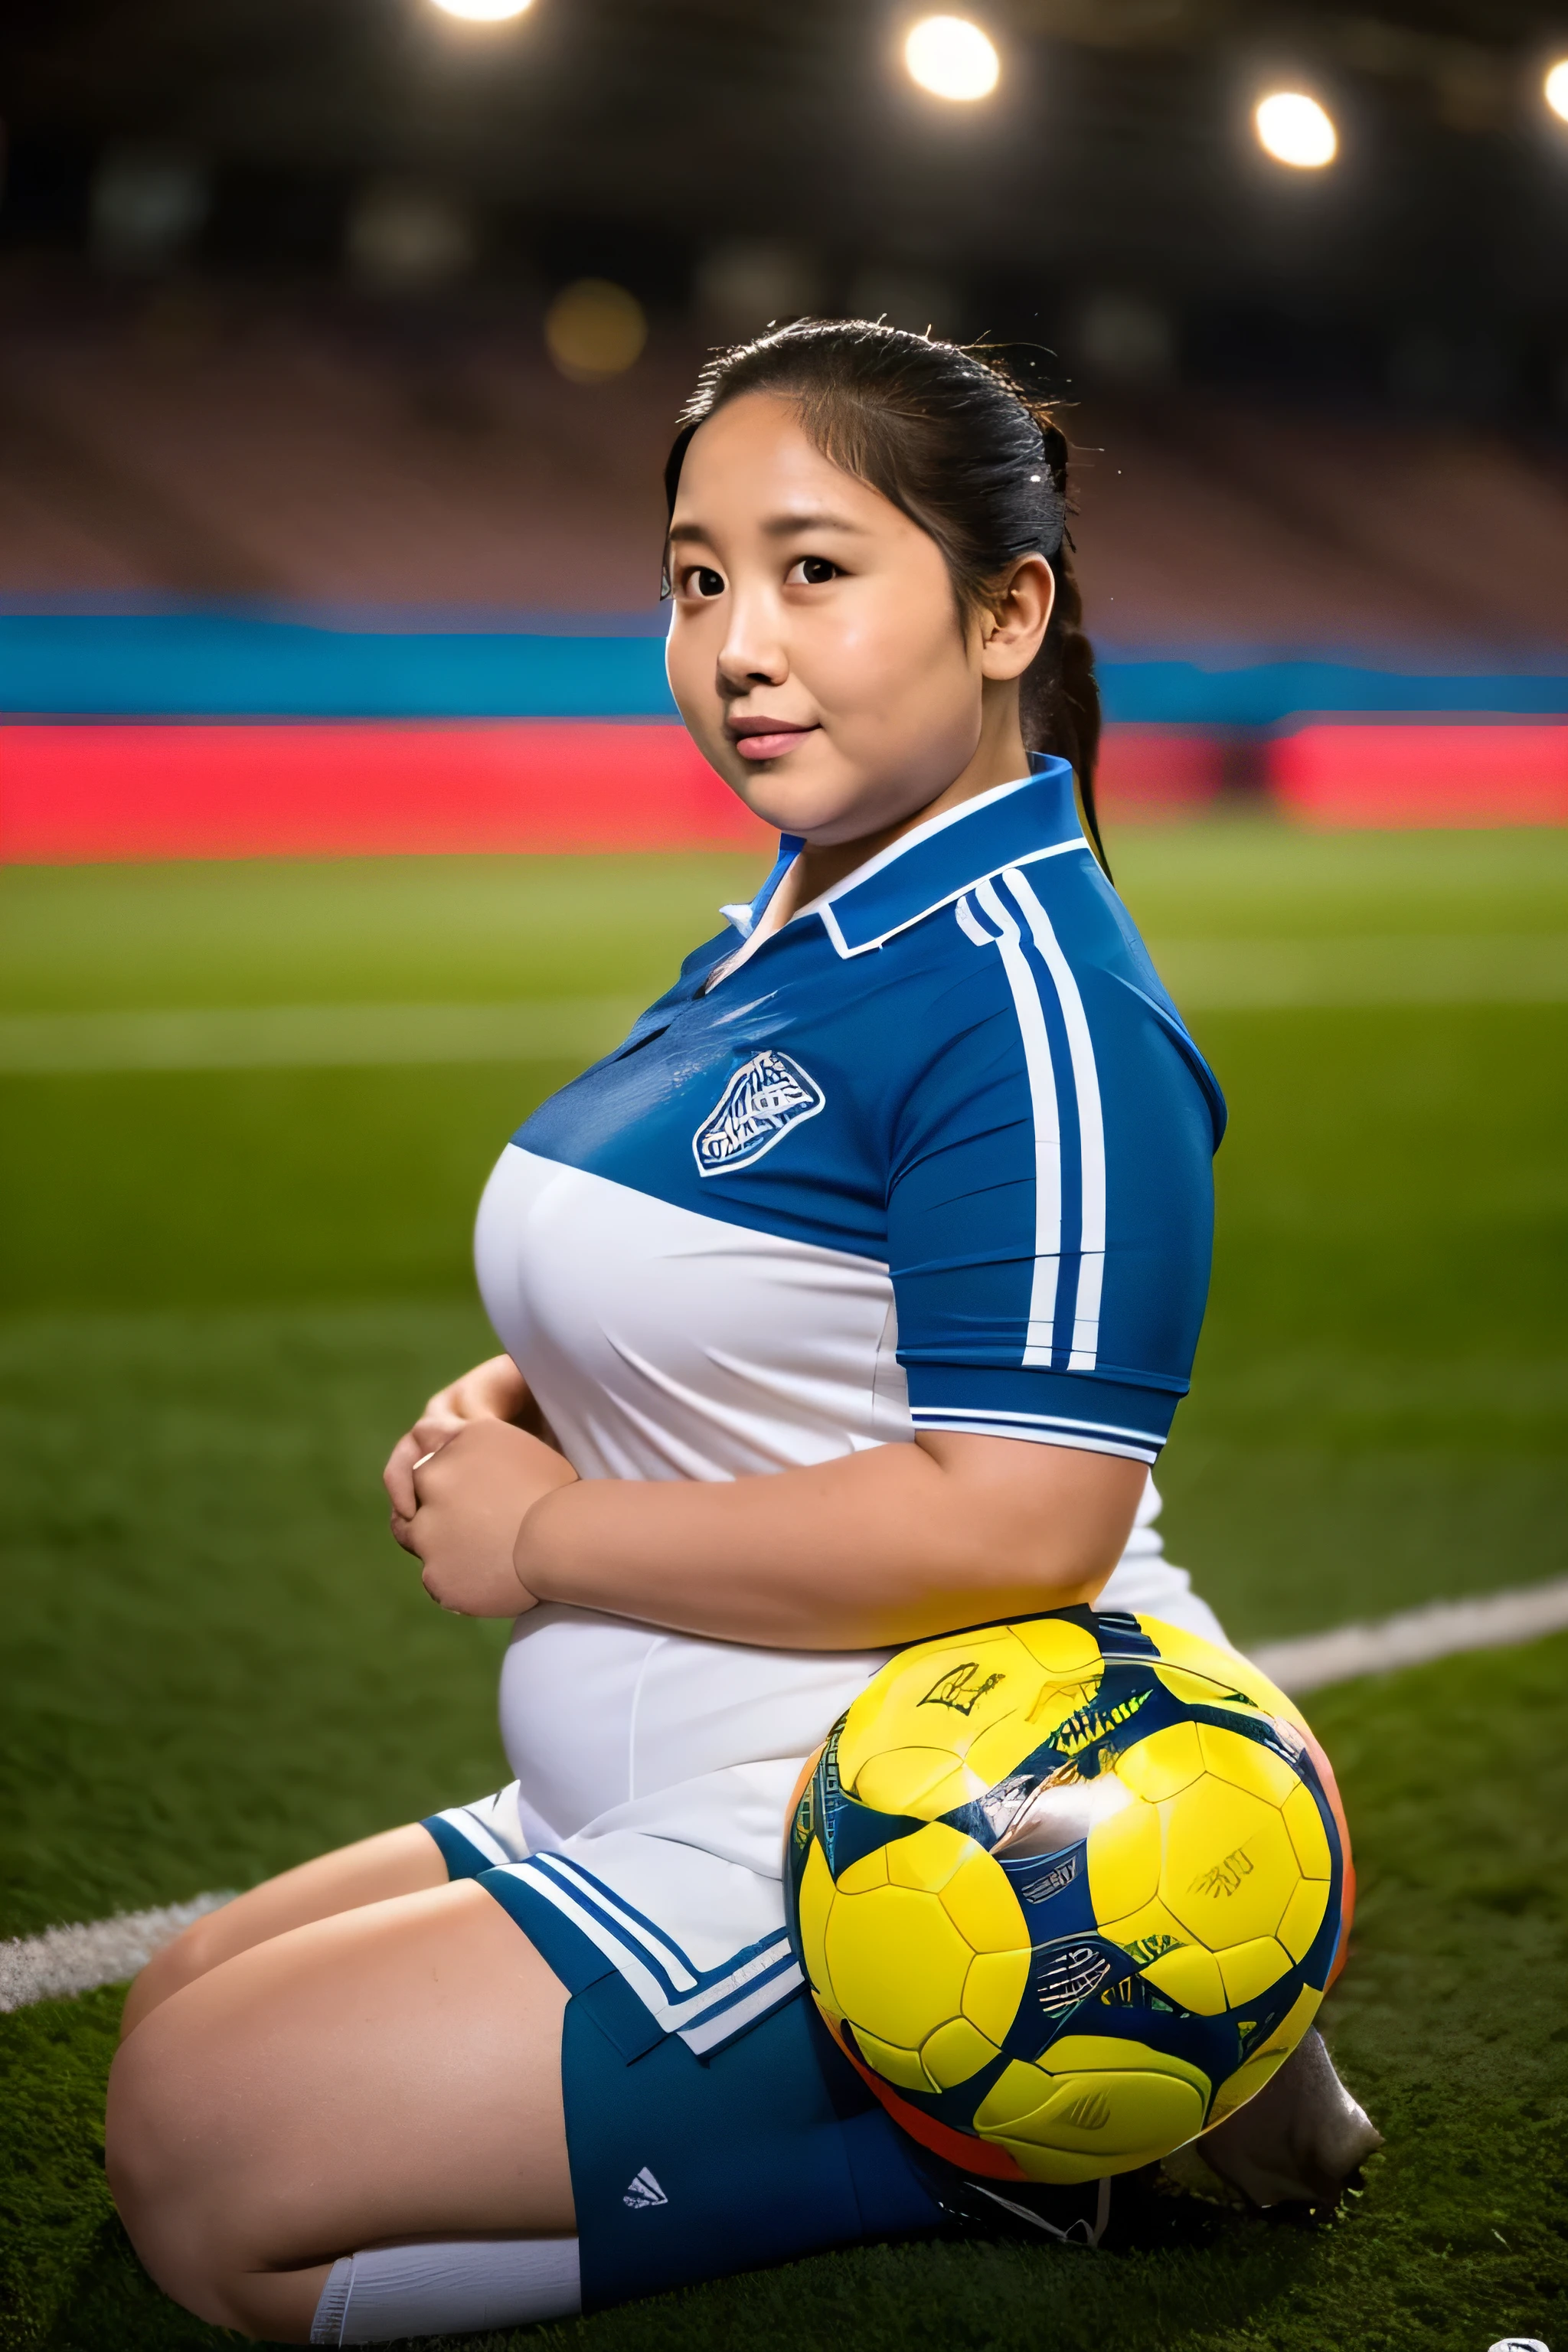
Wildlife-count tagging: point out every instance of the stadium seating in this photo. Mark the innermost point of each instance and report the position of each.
(1273, 591)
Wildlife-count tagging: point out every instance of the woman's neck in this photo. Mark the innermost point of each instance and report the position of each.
(1000, 758)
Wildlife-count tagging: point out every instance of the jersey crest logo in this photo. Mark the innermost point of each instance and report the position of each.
(767, 1096)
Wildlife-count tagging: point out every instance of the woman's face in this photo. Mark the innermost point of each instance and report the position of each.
(817, 652)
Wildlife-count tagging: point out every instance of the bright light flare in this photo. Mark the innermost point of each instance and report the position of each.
(483, 12)
(1556, 90)
(1295, 130)
(595, 331)
(951, 58)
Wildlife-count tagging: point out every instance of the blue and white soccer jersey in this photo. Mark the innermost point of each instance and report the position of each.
(933, 1155)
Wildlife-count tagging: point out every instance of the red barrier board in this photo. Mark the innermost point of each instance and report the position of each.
(1402, 773)
(1150, 772)
(70, 793)
(74, 792)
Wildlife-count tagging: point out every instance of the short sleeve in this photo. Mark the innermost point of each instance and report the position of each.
(1050, 1206)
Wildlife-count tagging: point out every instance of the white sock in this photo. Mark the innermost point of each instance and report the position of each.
(454, 2286)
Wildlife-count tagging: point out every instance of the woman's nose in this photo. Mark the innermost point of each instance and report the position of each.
(751, 652)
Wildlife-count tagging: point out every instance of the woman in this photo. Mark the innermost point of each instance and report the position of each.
(849, 1301)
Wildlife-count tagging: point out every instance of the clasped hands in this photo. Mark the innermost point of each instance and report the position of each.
(461, 1489)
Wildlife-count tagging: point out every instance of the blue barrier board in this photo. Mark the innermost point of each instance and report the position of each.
(216, 665)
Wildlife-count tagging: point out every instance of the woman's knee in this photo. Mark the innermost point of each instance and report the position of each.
(172, 2170)
(149, 2155)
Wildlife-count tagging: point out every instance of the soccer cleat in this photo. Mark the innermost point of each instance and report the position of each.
(1299, 2141)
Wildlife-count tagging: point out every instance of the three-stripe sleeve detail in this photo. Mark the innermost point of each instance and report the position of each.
(1011, 915)
(1040, 1338)
(1090, 1126)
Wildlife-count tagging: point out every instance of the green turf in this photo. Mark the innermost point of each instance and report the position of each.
(226, 1292)
(1448, 2024)
(1381, 1388)
(356, 930)
(218, 1658)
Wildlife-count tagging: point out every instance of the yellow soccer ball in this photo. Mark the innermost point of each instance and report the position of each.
(1066, 1891)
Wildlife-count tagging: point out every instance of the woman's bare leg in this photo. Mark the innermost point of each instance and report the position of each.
(398, 1861)
(390, 2072)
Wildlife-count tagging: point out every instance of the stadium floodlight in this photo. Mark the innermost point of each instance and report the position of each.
(595, 329)
(1295, 130)
(951, 58)
(1555, 89)
(484, 12)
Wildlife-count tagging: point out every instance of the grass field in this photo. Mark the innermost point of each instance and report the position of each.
(225, 1290)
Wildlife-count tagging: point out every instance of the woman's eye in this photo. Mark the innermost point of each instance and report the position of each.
(705, 582)
(811, 572)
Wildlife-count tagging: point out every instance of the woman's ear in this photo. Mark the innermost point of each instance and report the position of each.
(1016, 618)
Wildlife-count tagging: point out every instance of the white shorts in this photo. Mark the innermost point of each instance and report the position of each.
(654, 1774)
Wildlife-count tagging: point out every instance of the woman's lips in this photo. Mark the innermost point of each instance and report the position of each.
(766, 739)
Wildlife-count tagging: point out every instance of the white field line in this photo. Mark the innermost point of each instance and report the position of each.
(64, 1960)
(77, 1959)
(1204, 976)
(1443, 1629)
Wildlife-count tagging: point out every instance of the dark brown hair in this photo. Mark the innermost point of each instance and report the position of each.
(953, 439)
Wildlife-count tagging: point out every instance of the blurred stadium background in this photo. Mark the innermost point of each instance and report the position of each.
(344, 813)
(340, 347)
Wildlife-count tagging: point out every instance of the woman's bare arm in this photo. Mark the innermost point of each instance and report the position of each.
(874, 1548)
(880, 1546)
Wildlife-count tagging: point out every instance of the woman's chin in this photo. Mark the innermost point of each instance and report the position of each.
(819, 809)
(770, 798)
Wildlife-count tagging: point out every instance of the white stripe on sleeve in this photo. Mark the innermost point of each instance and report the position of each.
(1041, 1335)
(1090, 1126)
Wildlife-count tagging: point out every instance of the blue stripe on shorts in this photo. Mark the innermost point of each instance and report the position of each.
(687, 2168)
(461, 1856)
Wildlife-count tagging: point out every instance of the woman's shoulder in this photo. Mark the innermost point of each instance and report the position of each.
(1044, 953)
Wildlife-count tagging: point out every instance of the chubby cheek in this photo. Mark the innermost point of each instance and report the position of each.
(900, 700)
(692, 663)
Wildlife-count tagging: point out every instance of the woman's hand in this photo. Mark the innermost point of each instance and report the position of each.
(470, 1499)
(493, 1391)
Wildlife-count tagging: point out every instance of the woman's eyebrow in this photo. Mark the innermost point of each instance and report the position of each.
(784, 526)
(781, 525)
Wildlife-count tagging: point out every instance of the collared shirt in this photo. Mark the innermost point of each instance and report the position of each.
(934, 1154)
